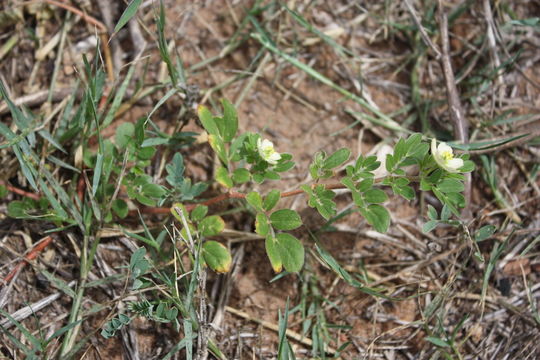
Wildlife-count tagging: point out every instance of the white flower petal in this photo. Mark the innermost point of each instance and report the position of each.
(433, 147)
(444, 157)
(442, 148)
(436, 154)
(274, 158)
(267, 152)
(454, 164)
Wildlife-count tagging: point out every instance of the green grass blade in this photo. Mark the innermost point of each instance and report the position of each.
(31, 338)
(63, 164)
(327, 39)
(52, 199)
(145, 240)
(162, 45)
(179, 346)
(25, 167)
(188, 336)
(130, 11)
(118, 97)
(63, 330)
(47, 136)
(486, 145)
(16, 341)
(97, 173)
(496, 253)
(161, 101)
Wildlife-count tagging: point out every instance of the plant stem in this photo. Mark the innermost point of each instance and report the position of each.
(237, 195)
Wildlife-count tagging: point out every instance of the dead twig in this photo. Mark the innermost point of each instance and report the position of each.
(461, 126)
(423, 34)
(103, 34)
(39, 97)
(32, 255)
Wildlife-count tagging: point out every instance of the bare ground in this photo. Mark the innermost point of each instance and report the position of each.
(436, 277)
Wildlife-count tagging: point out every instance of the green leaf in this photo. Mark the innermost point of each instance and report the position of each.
(130, 11)
(432, 213)
(326, 207)
(400, 150)
(219, 147)
(430, 225)
(291, 252)
(425, 185)
(273, 254)
(153, 190)
(412, 142)
(222, 177)
(375, 196)
(211, 225)
(285, 219)
(337, 158)
(146, 153)
(261, 224)
(419, 151)
(231, 120)
(175, 170)
(124, 133)
(254, 199)
(284, 166)
(120, 208)
(241, 175)
(437, 341)
(484, 233)
(451, 186)
(271, 175)
(18, 209)
(406, 192)
(321, 198)
(155, 141)
(271, 199)
(145, 200)
(468, 166)
(365, 185)
(217, 256)
(138, 263)
(199, 212)
(389, 163)
(377, 216)
(207, 120)
(3, 191)
(445, 212)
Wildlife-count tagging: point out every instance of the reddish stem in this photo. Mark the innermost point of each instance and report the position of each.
(32, 254)
(223, 197)
(81, 186)
(21, 192)
(87, 18)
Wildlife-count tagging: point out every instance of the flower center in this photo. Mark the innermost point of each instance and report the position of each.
(447, 155)
(268, 151)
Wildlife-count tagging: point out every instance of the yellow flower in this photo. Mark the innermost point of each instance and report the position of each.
(267, 152)
(444, 156)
